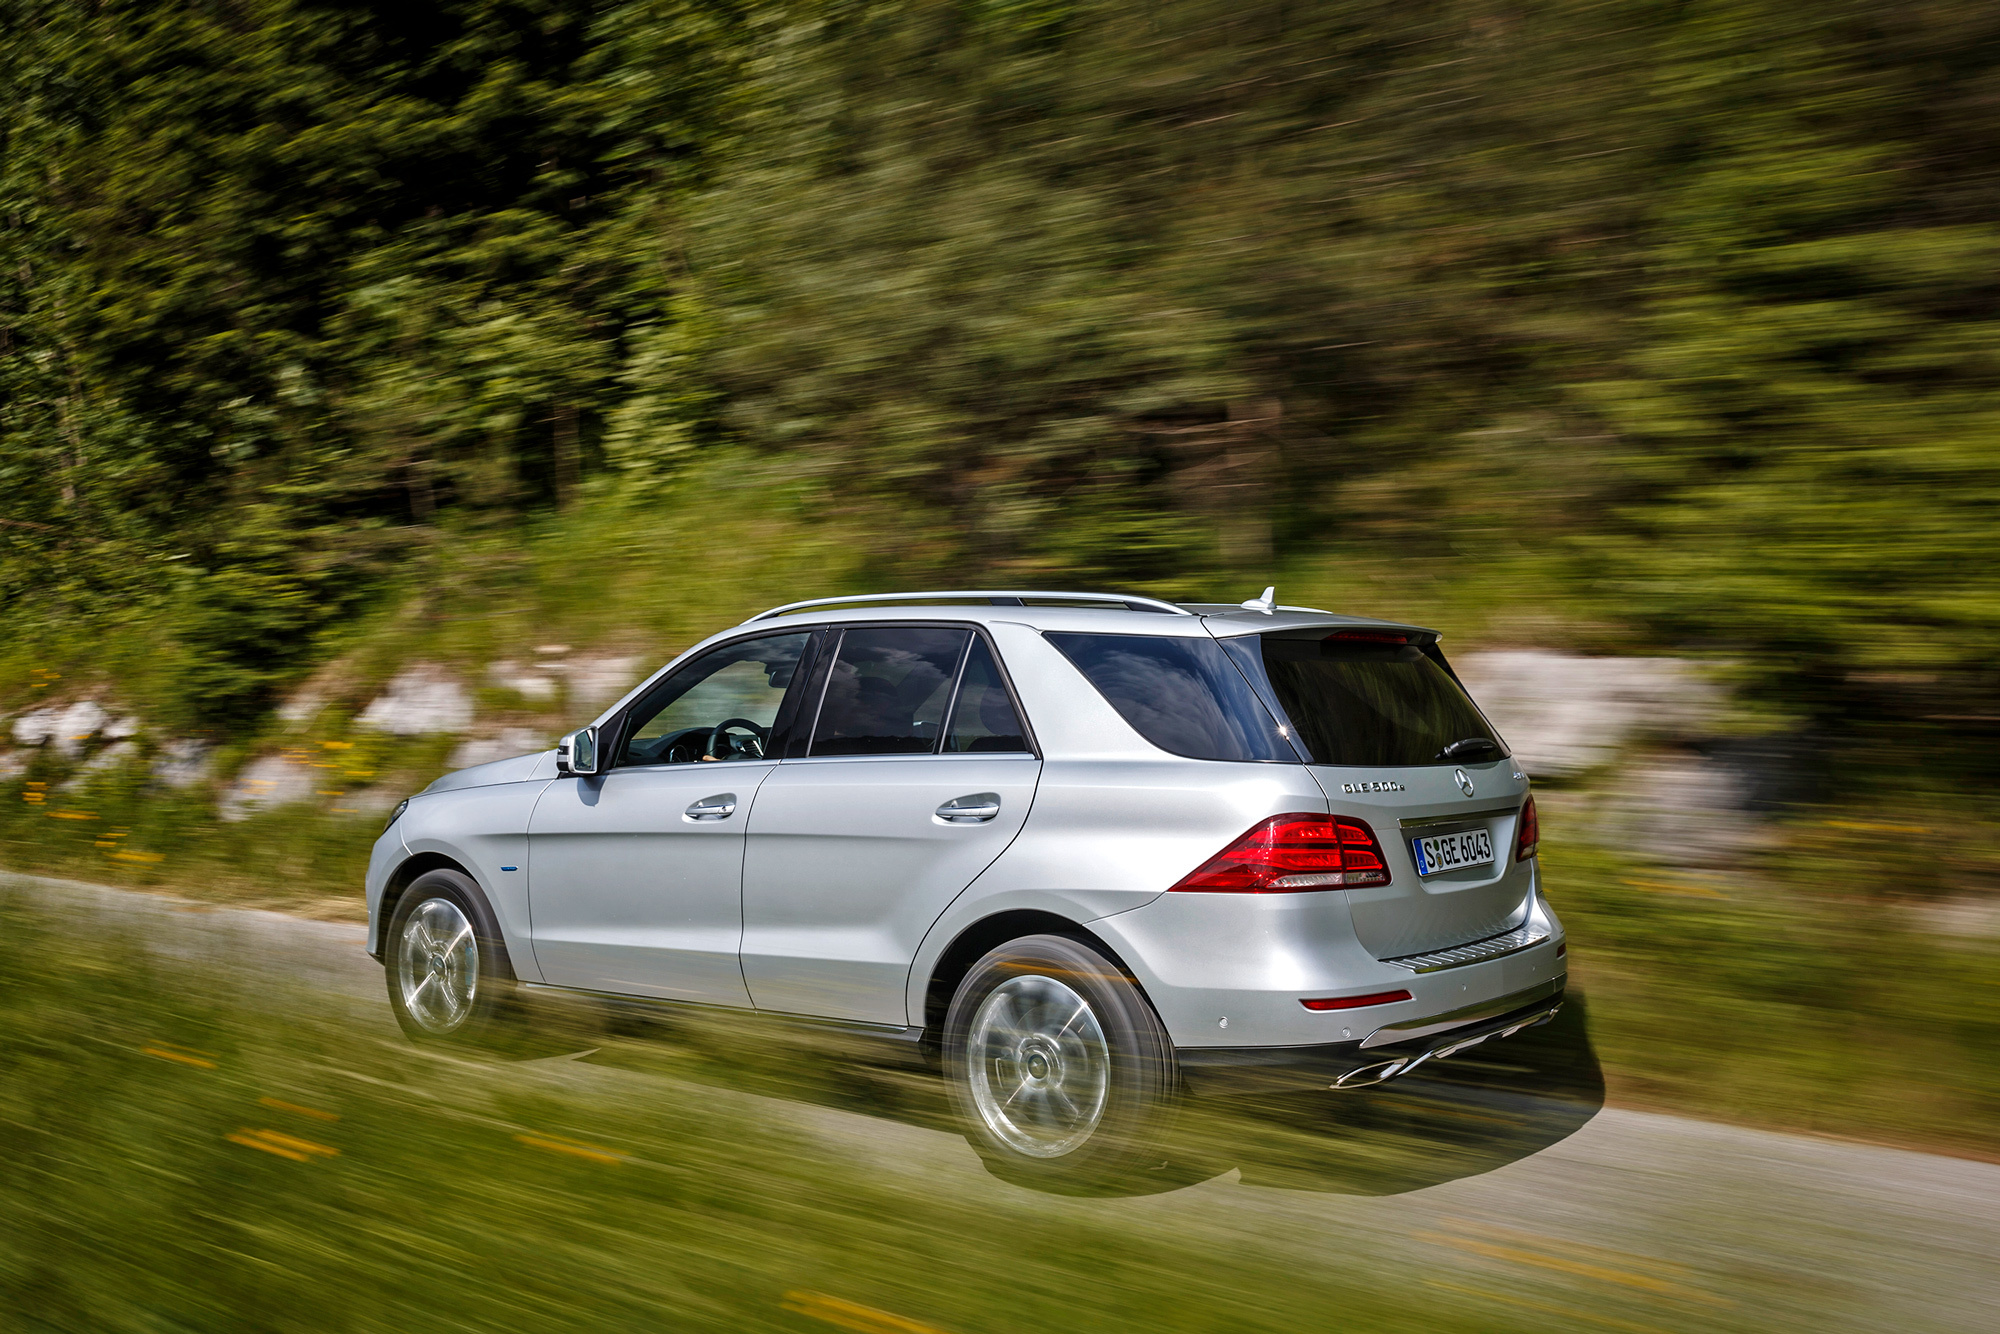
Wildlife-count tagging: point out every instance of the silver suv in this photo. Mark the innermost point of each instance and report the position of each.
(1087, 850)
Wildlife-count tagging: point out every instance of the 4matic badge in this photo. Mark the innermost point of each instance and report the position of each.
(1371, 787)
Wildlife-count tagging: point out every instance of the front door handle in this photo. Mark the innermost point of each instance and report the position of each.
(975, 809)
(718, 807)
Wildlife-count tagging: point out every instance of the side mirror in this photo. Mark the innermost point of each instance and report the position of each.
(577, 752)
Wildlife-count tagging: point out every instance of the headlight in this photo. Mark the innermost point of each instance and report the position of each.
(396, 814)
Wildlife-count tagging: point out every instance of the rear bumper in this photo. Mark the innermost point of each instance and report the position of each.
(1389, 1052)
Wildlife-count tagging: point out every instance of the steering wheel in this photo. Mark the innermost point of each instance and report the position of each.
(722, 746)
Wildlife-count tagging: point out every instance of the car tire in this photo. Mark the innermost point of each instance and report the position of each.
(448, 974)
(1058, 1067)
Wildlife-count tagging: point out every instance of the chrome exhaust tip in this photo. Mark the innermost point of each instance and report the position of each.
(1370, 1075)
(1367, 1076)
(1382, 1072)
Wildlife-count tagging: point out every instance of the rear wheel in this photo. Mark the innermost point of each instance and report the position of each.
(1059, 1068)
(447, 971)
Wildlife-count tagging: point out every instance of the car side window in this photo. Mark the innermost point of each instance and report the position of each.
(1181, 693)
(888, 691)
(984, 719)
(719, 707)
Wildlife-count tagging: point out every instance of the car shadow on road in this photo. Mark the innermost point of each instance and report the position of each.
(1491, 1105)
(1494, 1104)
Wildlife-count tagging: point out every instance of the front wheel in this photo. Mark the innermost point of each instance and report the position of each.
(1059, 1068)
(448, 978)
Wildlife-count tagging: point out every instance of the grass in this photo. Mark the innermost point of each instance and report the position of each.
(194, 1148)
(1783, 1001)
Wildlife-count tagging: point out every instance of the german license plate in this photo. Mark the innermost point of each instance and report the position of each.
(1452, 852)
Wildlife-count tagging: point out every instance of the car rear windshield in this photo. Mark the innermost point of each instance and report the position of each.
(1372, 704)
(1183, 695)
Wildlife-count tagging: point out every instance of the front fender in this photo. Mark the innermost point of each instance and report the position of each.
(484, 830)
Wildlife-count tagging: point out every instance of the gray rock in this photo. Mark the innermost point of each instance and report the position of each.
(301, 708)
(110, 757)
(367, 801)
(34, 727)
(1682, 809)
(507, 744)
(67, 727)
(182, 764)
(1562, 714)
(420, 700)
(596, 682)
(273, 780)
(538, 686)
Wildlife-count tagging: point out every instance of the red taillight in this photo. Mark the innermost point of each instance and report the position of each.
(1290, 853)
(1531, 831)
(1356, 1002)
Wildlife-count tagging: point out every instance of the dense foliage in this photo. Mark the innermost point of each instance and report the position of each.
(1697, 298)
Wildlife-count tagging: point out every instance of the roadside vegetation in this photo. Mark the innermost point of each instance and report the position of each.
(192, 1147)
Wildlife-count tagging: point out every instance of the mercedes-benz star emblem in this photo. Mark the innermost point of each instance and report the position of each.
(1464, 783)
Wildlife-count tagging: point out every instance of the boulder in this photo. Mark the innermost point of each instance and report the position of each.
(538, 686)
(68, 727)
(503, 746)
(596, 682)
(1682, 808)
(182, 764)
(421, 700)
(1563, 714)
(273, 780)
(113, 755)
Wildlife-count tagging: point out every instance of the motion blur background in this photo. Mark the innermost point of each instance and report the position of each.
(385, 387)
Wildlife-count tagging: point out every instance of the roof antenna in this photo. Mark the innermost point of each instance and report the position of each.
(1266, 603)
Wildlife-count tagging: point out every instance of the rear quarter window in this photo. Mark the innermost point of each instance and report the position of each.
(1183, 695)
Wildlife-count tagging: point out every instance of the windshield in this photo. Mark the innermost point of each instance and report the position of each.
(1380, 705)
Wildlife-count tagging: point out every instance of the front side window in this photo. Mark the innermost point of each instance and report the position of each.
(1181, 694)
(719, 707)
(888, 691)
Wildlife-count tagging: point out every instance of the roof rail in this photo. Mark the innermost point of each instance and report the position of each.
(991, 597)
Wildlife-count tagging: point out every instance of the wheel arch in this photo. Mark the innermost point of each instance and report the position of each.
(422, 863)
(972, 944)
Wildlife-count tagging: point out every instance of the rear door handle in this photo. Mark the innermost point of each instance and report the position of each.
(718, 807)
(975, 809)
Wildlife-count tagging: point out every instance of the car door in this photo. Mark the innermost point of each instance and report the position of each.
(636, 873)
(915, 774)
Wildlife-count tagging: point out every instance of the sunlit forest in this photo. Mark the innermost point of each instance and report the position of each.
(1681, 312)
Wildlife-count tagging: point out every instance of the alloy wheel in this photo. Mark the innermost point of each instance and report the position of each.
(1038, 1066)
(439, 966)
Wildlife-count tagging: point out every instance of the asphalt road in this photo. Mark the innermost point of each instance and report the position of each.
(1574, 1215)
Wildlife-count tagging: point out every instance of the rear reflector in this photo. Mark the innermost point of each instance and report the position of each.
(1356, 1002)
(1288, 854)
(1531, 831)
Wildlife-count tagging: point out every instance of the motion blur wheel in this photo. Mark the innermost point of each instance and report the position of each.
(448, 979)
(1060, 1069)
